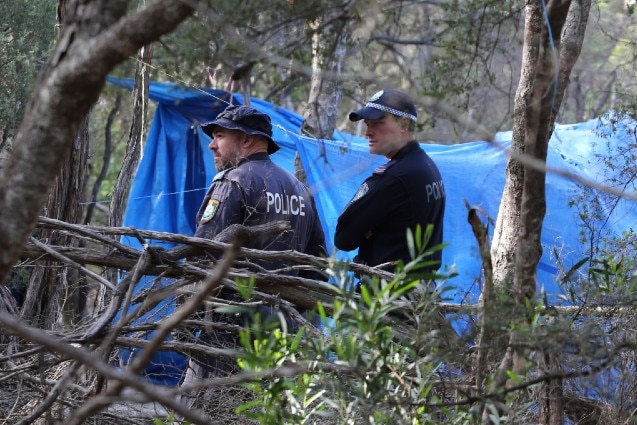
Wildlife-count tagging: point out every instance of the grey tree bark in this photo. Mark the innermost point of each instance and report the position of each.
(550, 52)
(51, 291)
(321, 112)
(97, 36)
(135, 138)
(330, 51)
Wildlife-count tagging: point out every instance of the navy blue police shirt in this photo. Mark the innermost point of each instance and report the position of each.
(257, 191)
(405, 192)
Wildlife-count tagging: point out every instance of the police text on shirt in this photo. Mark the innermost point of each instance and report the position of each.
(435, 189)
(286, 204)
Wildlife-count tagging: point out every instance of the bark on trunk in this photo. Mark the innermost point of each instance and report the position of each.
(52, 290)
(549, 53)
(54, 293)
(96, 37)
(135, 139)
(321, 111)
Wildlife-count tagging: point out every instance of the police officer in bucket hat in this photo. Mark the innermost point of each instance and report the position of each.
(406, 192)
(249, 189)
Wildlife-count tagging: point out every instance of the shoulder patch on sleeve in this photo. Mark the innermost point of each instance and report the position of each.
(209, 212)
(361, 192)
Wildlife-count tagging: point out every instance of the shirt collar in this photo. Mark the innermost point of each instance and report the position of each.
(410, 146)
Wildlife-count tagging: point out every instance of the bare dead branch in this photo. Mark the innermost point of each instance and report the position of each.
(88, 358)
(71, 263)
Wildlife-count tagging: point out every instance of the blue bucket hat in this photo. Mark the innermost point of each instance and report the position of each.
(245, 119)
(385, 102)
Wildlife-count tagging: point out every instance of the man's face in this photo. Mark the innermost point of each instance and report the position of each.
(226, 146)
(385, 136)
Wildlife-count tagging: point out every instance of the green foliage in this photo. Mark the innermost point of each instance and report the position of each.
(26, 38)
(228, 34)
(607, 269)
(377, 360)
(603, 284)
(379, 377)
(469, 36)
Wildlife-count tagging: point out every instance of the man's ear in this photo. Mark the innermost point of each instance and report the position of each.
(404, 123)
(247, 140)
(255, 141)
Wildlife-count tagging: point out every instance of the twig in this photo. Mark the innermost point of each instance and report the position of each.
(72, 263)
(52, 396)
(96, 403)
(88, 358)
(118, 298)
(86, 231)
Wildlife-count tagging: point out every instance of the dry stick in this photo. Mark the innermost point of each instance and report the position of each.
(295, 287)
(53, 395)
(285, 371)
(218, 244)
(122, 292)
(179, 269)
(39, 380)
(95, 404)
(71, 263)
(25, 353)
(118, 297)
(189, 307)
(86, 231)
(487, 294)
(183, 347)
(107, 344)
(88, 358)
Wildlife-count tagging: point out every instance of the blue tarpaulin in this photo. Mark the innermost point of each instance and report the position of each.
(177, 168)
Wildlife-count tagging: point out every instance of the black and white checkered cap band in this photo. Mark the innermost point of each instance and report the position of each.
(391, 110)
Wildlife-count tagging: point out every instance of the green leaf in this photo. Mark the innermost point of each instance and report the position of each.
(573, 269)
(411, 245)
(365, 295)
(246, 287)
(247, 406)
(514, 377)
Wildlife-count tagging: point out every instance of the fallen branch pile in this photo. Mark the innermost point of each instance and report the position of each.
(121, 318)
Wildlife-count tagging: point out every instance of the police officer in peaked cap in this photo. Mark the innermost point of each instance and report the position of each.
(406, 192)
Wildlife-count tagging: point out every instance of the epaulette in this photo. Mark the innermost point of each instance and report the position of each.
(220, 174)
(380, 169)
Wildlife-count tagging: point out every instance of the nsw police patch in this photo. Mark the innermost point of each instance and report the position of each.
(209, 212)
(361, 192)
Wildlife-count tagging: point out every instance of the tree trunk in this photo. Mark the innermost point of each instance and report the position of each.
(321, 112)
(97, 36)
(106, 159)
(135, 139)
(551, 393)
(52, 290)
(134, 145)
(548, 58)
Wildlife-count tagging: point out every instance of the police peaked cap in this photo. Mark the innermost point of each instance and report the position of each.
(245, 119)
(385, 102)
